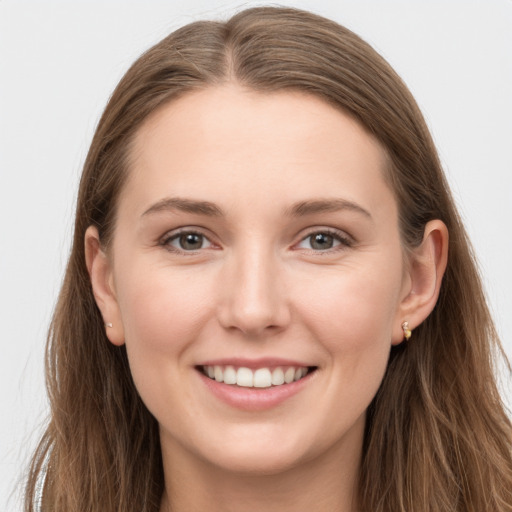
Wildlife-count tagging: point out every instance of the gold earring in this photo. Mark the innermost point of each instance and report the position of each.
(407, 330)
(109, 324)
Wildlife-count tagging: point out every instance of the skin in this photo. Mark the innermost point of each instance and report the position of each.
(258, 286)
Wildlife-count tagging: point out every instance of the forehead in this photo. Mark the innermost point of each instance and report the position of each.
(229, 142)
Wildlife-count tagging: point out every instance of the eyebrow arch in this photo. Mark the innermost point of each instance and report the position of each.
(304, 208)
(185, 205)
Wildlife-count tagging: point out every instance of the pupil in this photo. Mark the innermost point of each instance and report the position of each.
(191, 241)
(321, 241)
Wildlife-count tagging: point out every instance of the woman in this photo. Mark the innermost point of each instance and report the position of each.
(271, 302)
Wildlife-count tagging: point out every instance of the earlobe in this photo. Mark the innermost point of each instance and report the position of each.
(100, 273)
(427, 264)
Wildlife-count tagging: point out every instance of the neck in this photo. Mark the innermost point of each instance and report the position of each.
(326, 483)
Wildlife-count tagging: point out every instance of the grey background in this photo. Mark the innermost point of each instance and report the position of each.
(59, 61)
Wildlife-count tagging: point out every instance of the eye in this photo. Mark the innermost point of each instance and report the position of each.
(187, 241)
(323, 241)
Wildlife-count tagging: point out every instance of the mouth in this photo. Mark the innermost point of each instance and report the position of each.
(264, 377)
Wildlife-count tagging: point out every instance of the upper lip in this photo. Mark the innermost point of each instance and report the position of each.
(263, 362)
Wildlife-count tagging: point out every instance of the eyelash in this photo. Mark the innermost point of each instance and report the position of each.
(344, 241)
(166, 241)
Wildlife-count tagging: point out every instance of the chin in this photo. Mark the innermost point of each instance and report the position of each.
(259, 463)
(266, 452)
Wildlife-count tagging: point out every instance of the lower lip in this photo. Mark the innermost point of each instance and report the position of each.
(254, 399)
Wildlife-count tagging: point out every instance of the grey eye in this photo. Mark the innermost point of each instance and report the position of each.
(320, 241)
(189, 241)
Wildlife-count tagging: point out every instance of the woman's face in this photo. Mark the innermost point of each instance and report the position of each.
(256, 231)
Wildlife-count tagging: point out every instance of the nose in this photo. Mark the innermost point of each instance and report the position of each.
(254, 300)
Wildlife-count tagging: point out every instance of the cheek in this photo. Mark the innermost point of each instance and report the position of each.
(354, 309)
(353, 317)
(161, 311)
(162, 314)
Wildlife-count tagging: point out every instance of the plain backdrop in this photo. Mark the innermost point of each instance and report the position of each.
(59, 62)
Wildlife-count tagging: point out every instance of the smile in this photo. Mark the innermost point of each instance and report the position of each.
(255, 378)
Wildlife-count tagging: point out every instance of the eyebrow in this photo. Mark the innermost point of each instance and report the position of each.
(300, 209)
(185, 205)
(304, 208)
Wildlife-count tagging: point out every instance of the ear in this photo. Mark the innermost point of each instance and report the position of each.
(422, 283)
(100, 271)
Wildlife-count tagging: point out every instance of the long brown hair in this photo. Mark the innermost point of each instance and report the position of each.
(437, 435)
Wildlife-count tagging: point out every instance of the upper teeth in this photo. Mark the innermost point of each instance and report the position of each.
(260, 378)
